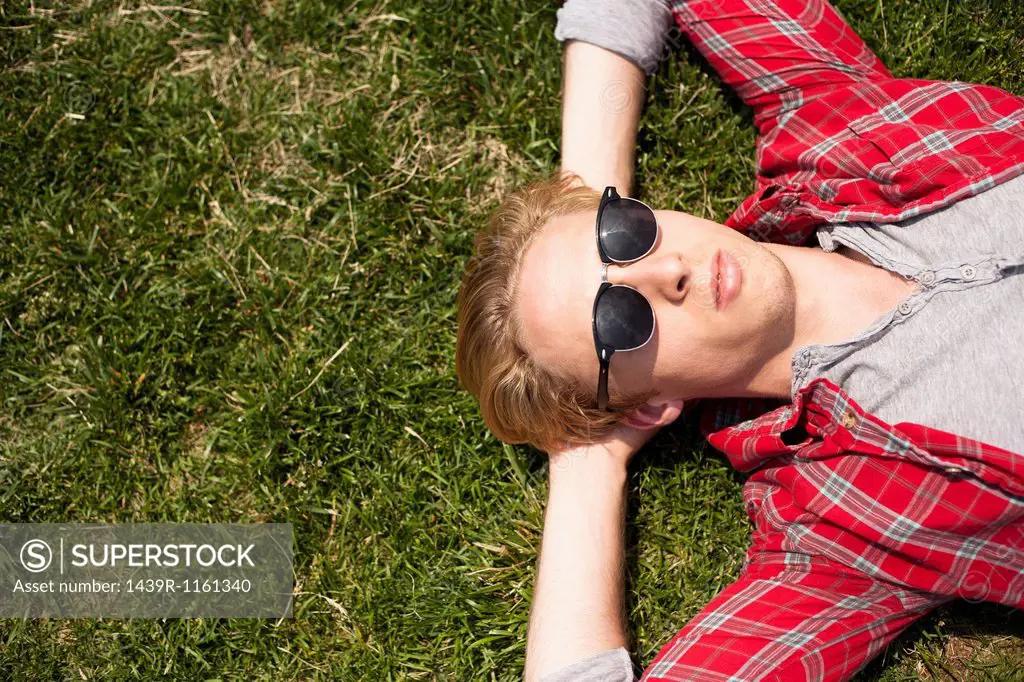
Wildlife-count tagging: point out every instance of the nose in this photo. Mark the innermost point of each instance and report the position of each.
(667, 275)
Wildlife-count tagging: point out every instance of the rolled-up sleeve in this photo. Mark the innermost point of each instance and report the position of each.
(636, 29)
(608, 666)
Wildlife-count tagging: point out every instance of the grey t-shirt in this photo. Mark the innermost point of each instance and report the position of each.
(636, 29)
(951, 354)
(608, 666)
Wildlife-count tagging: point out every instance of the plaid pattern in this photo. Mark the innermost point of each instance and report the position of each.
(841, 140)
(860, 527)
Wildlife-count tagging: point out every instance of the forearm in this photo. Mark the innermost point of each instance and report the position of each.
(602, 98)
(577, 606)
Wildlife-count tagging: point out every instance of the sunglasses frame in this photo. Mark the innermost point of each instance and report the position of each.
(604, 351)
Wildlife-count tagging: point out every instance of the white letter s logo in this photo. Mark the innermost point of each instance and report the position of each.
(36, 556)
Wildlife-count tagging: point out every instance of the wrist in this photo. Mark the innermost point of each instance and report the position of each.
(591, 463)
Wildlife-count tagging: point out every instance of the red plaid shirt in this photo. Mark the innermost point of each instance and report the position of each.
(860, 526)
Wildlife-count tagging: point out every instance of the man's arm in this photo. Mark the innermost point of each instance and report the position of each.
(611, 47)
(602, 97)
(577, 608)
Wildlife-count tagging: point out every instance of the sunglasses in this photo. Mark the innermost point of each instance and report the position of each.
(623, 318)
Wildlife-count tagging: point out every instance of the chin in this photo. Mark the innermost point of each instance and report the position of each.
(776, 305)
(765, 308)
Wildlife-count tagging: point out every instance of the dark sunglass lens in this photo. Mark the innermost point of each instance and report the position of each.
(627, 230)
(624, 318)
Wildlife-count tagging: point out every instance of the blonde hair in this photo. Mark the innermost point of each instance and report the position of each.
(521, 402)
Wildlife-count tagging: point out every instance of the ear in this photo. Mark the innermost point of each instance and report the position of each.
(654, 414)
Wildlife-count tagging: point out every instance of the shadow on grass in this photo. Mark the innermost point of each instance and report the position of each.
(948, 644)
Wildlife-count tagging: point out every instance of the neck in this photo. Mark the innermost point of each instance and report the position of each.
(837, 296)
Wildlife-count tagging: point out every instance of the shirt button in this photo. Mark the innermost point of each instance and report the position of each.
(848, 419)
(968, 272)
(904, 308)
(954, 470)
(928, 277)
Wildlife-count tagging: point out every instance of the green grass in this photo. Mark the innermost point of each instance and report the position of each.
(200, 210)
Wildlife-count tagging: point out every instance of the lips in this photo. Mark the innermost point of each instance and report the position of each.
(726, 278)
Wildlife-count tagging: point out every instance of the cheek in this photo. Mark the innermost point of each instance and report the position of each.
(687, 350)
(693, 349)
(692, 242)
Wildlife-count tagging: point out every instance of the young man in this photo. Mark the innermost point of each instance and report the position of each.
(868, 384)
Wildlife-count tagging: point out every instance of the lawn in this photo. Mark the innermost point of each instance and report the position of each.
(232, 236)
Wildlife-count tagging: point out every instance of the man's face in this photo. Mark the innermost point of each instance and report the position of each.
(703, 344)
